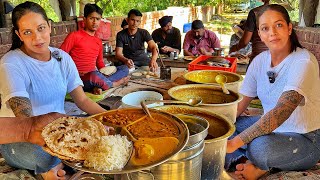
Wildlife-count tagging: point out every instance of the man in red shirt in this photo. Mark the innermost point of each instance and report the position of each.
(200, 41)
(87, 53)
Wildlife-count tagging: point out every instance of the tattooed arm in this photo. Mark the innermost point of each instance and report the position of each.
(287, 103)
(21, 106)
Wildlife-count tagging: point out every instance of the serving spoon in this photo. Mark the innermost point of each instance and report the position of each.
(222, 79)
(191, 101)
(145, 109)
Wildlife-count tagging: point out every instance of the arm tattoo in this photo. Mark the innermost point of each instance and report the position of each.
(287, 103)
(21, 106)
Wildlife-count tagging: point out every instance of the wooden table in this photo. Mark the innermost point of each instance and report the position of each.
(178, 63)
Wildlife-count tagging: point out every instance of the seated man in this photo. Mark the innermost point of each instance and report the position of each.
(130, 44)
(167, 37)
(200, 41)
(87, 52)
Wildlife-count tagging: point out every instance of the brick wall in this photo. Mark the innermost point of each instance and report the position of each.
(310, 39)
(60, 30)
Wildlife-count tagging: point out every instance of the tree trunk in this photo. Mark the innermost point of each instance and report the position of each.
(308, 11)
(65, 8)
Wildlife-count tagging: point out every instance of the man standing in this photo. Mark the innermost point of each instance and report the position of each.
(200, 41)
(251, 34)
(130, 44)
(87, 53)
(167, 37)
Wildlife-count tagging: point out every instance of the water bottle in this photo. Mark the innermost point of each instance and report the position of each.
(171, 56)
(175, 55)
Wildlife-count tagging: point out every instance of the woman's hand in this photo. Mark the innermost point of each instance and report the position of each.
(234, 144)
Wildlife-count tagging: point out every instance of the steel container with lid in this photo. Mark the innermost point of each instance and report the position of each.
(220, 129)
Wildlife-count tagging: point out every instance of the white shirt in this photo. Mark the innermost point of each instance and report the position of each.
(299, 71)
(44, 83)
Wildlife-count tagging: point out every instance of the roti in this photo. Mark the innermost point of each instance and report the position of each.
(108, 70)
(138, 74)
(71, 137)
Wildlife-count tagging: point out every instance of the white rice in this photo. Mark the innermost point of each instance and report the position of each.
(110, 153)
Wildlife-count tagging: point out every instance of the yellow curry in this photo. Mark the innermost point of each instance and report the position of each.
(149, 150)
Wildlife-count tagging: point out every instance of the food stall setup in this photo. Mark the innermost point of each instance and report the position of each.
(185, 136)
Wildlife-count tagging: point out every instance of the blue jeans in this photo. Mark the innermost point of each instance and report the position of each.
(285, 151)
(28, 156)
(97, 79)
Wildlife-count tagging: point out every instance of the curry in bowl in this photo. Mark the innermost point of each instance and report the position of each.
(208, 76)
(208, 94)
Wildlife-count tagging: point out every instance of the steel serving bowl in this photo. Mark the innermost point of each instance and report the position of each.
(219, 126)
(213, 98)
(210, 95)
(234, 80)
(183, 138)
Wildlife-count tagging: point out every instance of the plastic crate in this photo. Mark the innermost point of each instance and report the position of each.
(193, 65)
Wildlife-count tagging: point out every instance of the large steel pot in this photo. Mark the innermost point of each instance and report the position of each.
(220, 129)
(186, 164)
(234, 81)
(213, 98)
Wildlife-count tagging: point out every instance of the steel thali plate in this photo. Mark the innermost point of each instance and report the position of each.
(131, 167)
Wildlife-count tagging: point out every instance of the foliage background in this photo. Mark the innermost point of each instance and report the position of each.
(121, 7)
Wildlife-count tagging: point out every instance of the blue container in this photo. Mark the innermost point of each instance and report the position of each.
(186, 27)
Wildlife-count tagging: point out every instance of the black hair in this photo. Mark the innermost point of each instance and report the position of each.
(90, 8)
(20, 11)
(124, 23)
(278, 8)
(242, 23)
(136, 12)
(197, 24)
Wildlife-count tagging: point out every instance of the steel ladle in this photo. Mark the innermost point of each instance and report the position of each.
(191, 101)
(222, 79)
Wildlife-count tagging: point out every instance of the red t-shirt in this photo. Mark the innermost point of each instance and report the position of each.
(85, 50)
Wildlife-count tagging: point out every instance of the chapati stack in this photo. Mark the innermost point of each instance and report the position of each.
(70, 138)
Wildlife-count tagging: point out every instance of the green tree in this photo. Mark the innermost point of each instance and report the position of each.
(43, 3)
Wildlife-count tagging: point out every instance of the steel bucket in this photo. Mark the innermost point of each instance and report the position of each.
(220, 129)
(186, 164)
(215, 148)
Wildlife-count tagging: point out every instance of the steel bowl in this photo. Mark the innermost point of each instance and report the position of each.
(213, 98)
(234, 80)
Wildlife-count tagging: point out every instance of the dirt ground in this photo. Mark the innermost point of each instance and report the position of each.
(222, 26)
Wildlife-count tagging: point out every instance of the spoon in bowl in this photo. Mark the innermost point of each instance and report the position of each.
(222, 79)
(191, 101)
(145, 109)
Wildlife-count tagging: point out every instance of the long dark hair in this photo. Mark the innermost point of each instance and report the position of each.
(276, 7)
(20, 11)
